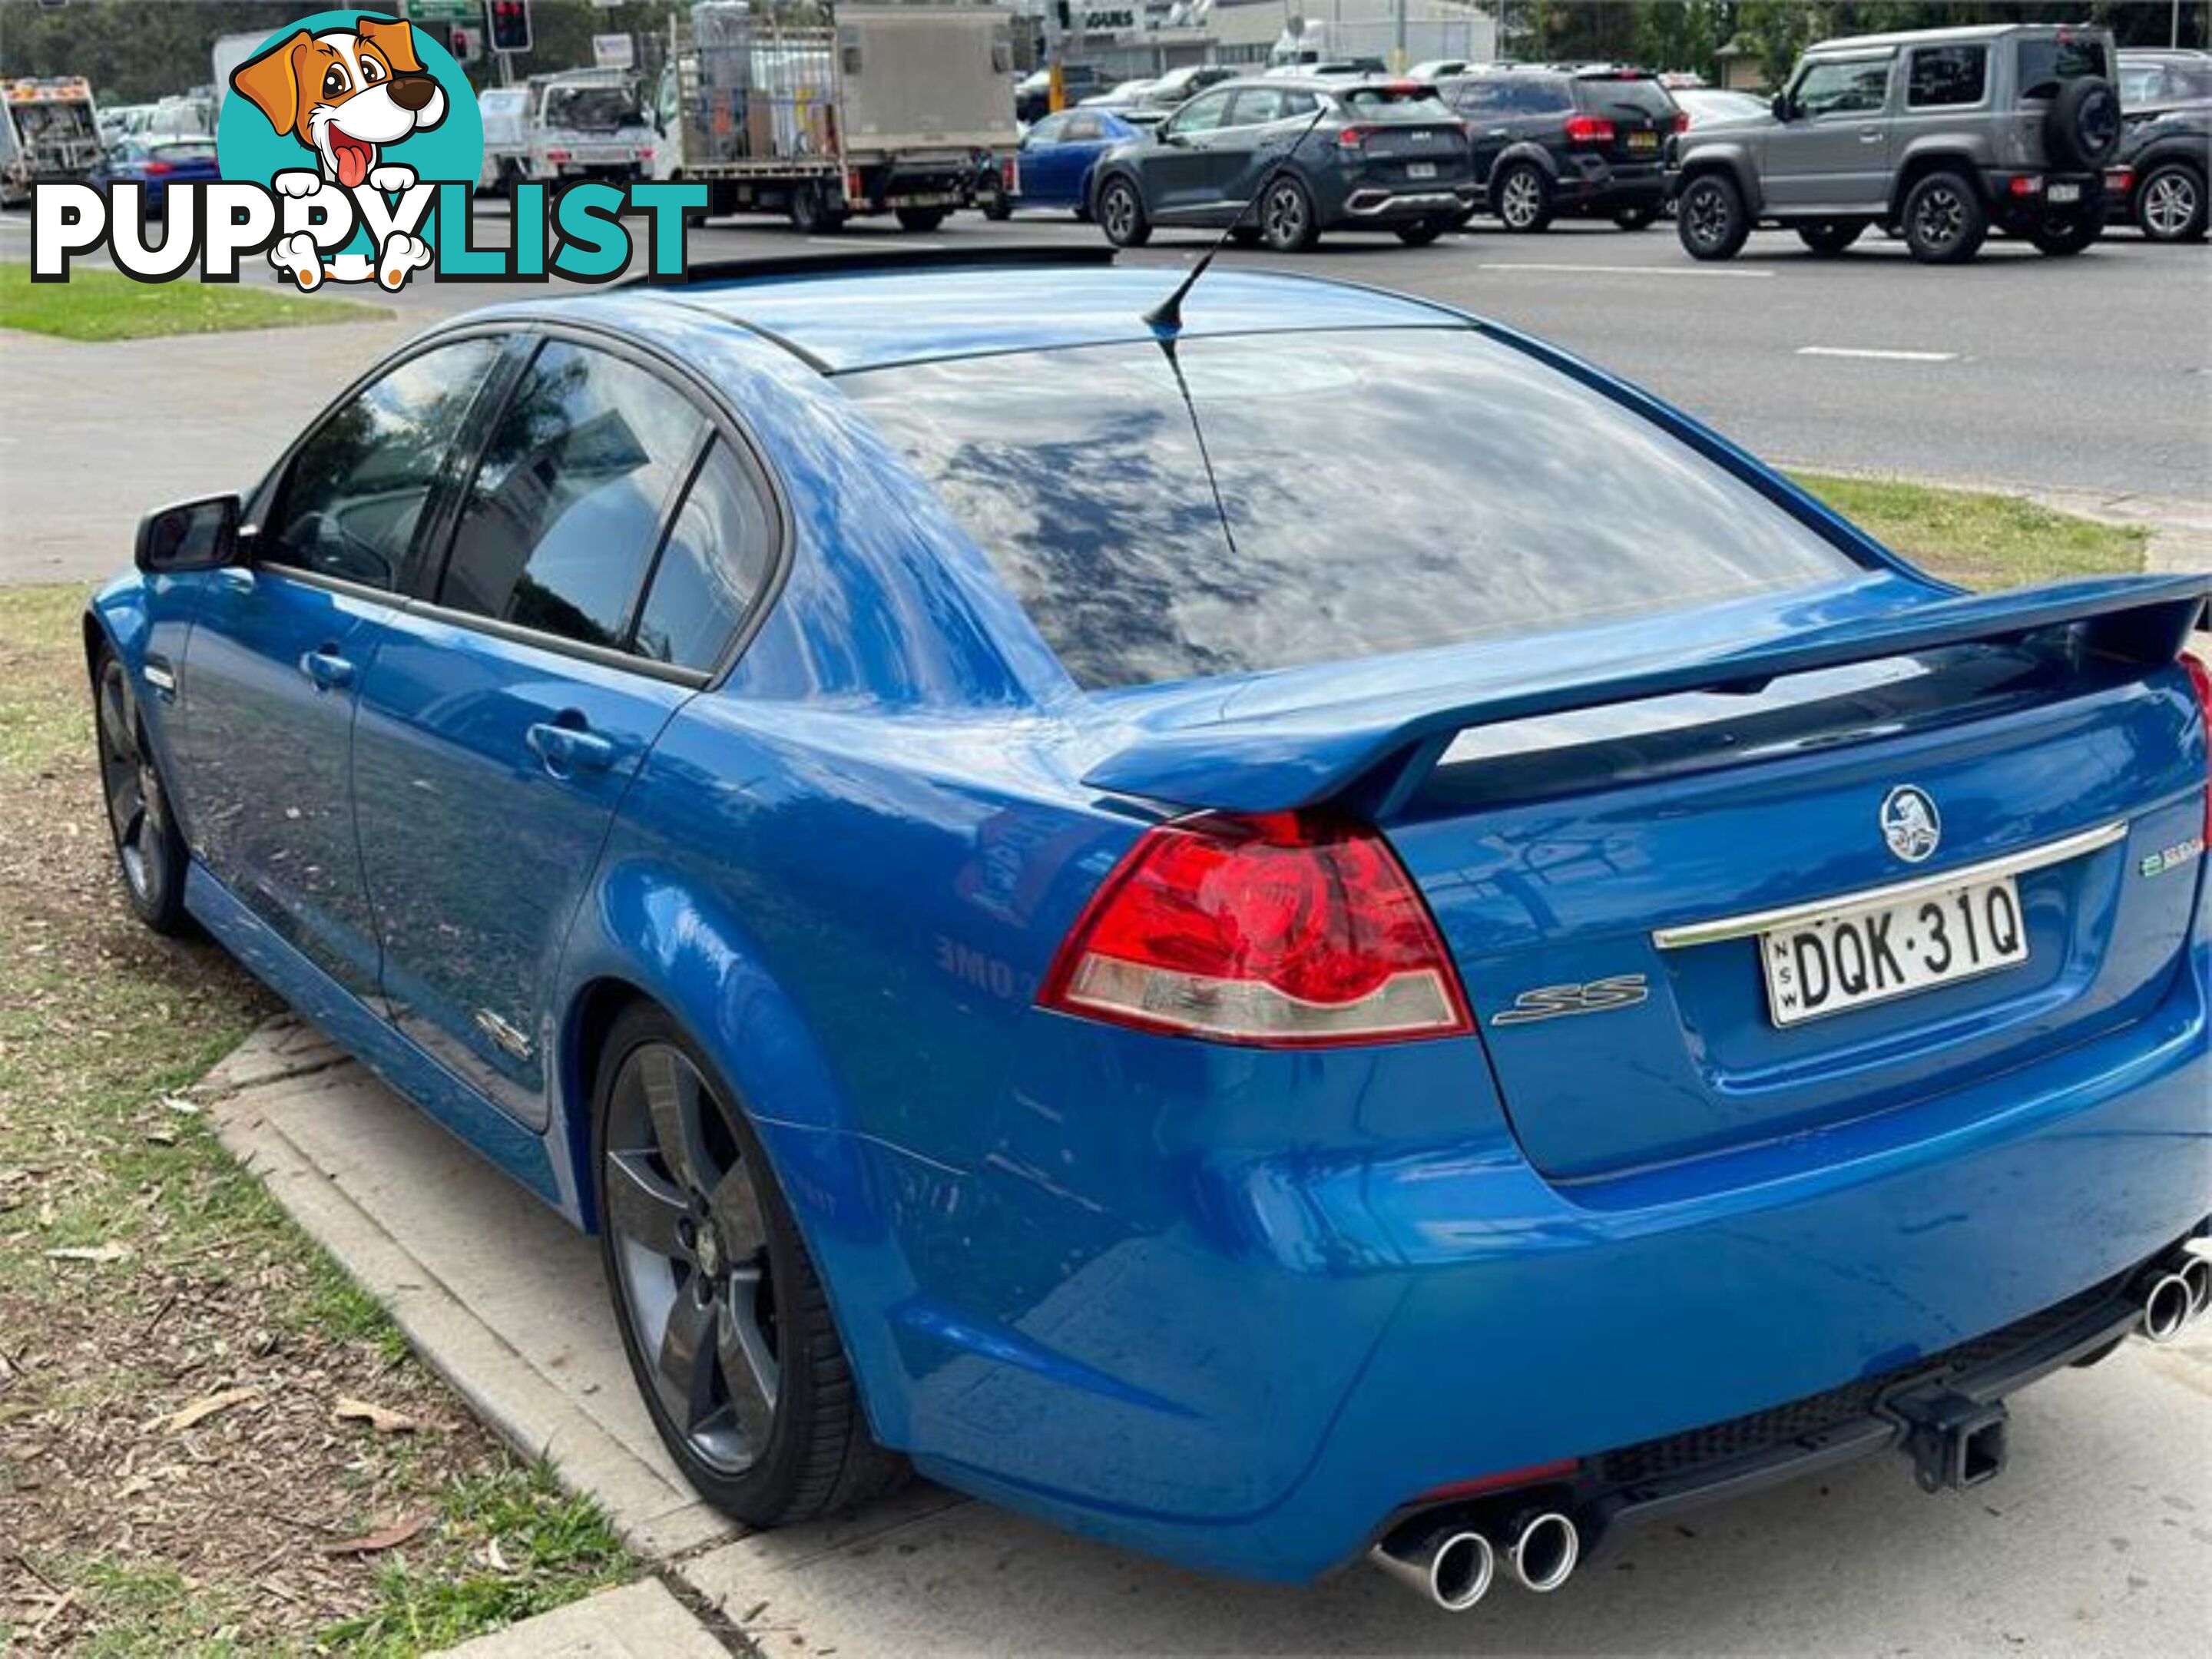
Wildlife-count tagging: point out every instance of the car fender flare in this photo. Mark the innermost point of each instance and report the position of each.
(1103, 173)
(1730, 159)
(1525, 150)
(1936, 152)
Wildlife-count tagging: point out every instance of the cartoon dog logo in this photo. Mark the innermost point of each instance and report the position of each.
(345, 95)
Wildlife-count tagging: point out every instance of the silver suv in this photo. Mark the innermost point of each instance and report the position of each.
(1939, 135)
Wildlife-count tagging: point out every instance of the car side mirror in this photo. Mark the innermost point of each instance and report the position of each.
(1780, 106)
(1169, 136)
(200, 535)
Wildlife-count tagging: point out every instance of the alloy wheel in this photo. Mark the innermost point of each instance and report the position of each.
(135, 807)
(1705, 216)
(1283, 217)
(1939, 218)
(691, 1245)
(2169, 205)
(1117, 212)
(1522, 202)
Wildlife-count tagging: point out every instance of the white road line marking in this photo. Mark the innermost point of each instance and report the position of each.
(1879, 353)
(876, 242)
(1621, 270)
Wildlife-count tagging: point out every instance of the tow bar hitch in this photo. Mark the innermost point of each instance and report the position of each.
(1954, 1441)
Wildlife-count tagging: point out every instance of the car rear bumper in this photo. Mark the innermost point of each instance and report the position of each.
(2021, 201)
(1258, 1365)
(1374, 204)
(1599, 187)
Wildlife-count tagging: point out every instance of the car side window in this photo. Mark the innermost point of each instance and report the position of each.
(1048, 131)
(353, 498)
(1202, 114)
(1081, 129)
(1946, 76)
(712, 568)
(1843, 88)
(1255, 107)
(1478, 97)
(560, 522)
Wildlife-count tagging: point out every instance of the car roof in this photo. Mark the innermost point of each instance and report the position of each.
(1964, 33)
(846, 319)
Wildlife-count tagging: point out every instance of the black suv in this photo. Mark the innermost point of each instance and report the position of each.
(2157, 182)
(1320, 156)
(1585, 143)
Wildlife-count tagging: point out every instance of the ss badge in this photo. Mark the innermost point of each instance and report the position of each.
(1556, 1001)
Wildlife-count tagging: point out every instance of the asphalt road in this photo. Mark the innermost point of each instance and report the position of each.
(2093, 374)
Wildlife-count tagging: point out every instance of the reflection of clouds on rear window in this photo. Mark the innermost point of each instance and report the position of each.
(1380, 491)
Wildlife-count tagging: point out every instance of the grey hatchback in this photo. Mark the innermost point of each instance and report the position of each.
(1284, 158)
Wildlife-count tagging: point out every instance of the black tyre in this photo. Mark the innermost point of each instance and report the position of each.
(727, 1330)
(1520, 197)
(2082, 128)
(1245, 235)
(149, 848)
(1639, 218)
(1121, 213)
(2170, 204)
(1287, 223)
(1421, 232)
(920, 218)
(997, 207)
(1711, 219)
(2064, 238)
(1945, 223)
(1830, 237)
(815, 211)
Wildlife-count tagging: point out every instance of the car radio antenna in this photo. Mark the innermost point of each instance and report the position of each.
(1165, 318)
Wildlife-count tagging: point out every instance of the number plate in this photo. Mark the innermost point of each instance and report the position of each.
(2065, 193)
(1420, 169)
(1644, 141)
(1854, 958)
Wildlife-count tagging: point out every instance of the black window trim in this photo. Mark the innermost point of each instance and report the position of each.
(432, 549)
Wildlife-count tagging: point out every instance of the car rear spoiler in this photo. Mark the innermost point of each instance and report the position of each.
(1286, 758)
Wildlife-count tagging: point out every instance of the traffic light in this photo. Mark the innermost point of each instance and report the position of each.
(509, 25)
(461, 42)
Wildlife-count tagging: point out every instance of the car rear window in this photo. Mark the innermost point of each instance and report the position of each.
(1371, 492)
(1608, 95)
(1409, 104)
(2045, 64)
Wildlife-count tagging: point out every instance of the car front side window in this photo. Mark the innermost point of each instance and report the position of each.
(1843, 88)
(1202, 114)
(353, 497)
(561, 522)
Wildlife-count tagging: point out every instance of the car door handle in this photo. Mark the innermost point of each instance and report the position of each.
(1497, 132)
(1869, 135)
(325, 669)
(563, 749)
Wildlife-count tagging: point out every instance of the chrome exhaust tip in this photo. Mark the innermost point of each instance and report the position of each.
(1454, 1570)
(2169, 1303)
(2196, 1272)
(1544, 1551)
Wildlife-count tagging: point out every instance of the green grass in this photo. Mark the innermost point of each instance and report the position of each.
(104, 305)
(99, 1022)
(1981, 540)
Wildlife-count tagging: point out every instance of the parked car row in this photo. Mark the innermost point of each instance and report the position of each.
(1939, 137)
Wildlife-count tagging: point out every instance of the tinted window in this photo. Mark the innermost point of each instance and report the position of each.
(1391, 104)
(1082, 129)
(1048, 131)
(1378, 492)
(563, 514)
(2044, 63)
(1943, 75)
(1256, 107)
(1843, 88)
(1617, 97)
(1202, 114)
(713, 567)
(357, 487)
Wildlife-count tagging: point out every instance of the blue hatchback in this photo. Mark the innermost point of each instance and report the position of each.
(1360, 939)
(1054, 166)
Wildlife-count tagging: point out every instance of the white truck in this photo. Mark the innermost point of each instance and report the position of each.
(49, 129)
(888, 109)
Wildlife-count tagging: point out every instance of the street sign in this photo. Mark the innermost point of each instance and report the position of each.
(614, 52)
(445, 11)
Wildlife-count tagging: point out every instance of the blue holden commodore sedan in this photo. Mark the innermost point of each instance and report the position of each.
(1301, 931)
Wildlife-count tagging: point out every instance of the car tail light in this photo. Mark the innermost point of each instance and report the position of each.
(1682, 120)
(1350, 137)
(157, 169)
(1281, 931)
(1588, 129)
(2025, 184)
(2200, 677)
(2120, 179)
(1006, 174)
(558, 157)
